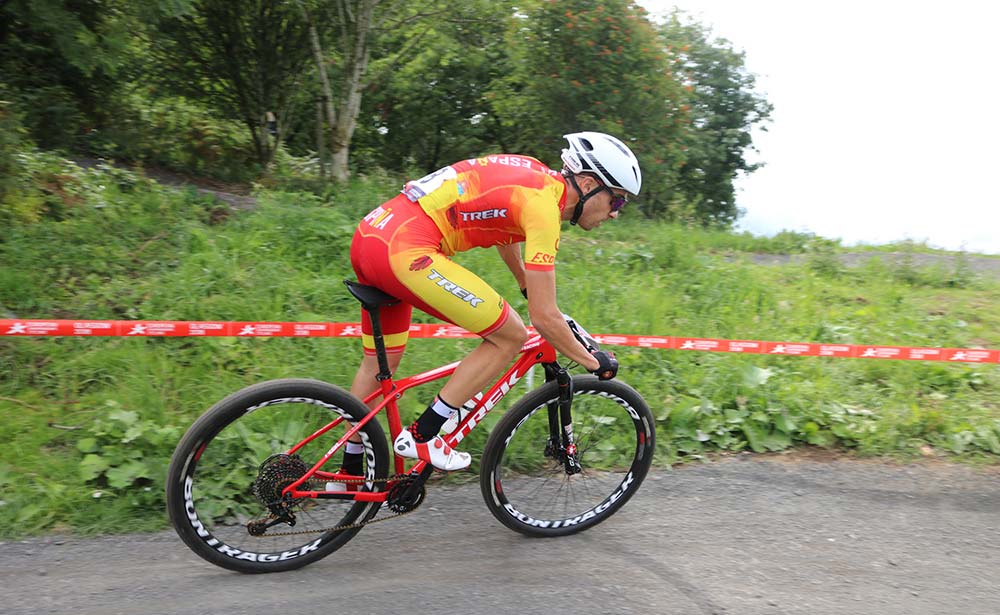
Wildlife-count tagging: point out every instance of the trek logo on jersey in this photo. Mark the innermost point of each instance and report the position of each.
(379, 217)
(454, 289)
(456, 217)
(489, 214)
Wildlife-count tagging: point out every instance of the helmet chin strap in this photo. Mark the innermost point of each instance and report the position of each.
(578, 210)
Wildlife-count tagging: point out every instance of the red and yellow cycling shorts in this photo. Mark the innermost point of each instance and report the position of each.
(403, 246)
(397, 249)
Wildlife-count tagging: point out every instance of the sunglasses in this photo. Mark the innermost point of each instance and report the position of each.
(617, 200)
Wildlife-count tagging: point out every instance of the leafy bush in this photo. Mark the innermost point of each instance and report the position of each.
(12, 142)
(122, 450)
(178, 134)
(52, 114)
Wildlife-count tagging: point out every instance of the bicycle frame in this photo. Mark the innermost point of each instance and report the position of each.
(534, 352)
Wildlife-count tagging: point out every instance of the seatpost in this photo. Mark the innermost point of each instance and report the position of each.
(383, 360)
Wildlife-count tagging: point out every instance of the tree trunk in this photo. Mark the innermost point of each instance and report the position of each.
(350, 95)
(342, 114)
(324, 79)
(320, 139)
(325, 102)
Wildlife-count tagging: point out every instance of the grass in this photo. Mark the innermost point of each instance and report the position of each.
(87, 425)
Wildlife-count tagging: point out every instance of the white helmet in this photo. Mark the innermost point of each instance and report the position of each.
(604, 156)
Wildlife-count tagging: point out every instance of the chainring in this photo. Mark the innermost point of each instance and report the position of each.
(403, 497)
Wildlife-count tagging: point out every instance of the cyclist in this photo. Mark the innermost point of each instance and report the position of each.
(403, 246)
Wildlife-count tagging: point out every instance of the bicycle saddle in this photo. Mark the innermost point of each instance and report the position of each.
(370, 297)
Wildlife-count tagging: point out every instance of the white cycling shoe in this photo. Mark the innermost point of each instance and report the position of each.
(435, 452)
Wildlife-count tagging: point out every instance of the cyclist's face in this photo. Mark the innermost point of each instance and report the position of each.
(600, 207)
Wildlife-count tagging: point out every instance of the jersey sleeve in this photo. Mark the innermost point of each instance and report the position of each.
(540, 220)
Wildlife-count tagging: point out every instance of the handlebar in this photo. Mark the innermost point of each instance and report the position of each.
(608, 363)
(581, 334)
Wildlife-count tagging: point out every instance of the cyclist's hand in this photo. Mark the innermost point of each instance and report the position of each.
(608, 365)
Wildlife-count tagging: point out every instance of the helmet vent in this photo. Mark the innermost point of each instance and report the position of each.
(602, 171)
(622, 149)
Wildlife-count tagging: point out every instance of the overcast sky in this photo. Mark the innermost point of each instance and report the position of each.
(887, 117)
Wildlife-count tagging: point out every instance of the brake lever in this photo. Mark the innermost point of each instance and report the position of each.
(581, 334)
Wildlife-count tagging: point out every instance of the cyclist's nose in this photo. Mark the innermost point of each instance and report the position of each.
(613, 214)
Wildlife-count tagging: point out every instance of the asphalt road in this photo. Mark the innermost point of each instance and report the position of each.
(742, 535)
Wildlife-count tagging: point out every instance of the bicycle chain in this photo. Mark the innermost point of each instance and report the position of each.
(346, 526)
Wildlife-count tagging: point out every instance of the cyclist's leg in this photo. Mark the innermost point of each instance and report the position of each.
(439, 286)
(395, 325)
(370, 259)
(481, 366)
(395, 321)
(397, 249)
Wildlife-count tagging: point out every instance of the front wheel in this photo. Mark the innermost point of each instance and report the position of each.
(528, 488)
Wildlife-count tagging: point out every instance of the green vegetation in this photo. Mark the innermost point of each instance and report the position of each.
(88, 424)
(230, 89)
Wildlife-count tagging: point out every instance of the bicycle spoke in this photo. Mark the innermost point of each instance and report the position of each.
(229, 473)
(534, 494)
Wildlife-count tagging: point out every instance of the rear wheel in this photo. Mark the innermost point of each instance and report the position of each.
(525, 483)
(232, 462)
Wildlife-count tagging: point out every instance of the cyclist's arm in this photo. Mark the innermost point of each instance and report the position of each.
(511, 255)
(549, 321)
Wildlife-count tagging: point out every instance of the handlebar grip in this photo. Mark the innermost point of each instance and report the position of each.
(608, 367)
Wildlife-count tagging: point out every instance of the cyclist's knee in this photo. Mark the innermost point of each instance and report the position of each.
(511, 336)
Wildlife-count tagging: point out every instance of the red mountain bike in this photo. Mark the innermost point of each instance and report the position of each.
(247, 489)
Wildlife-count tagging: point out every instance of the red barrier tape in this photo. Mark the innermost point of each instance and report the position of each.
(156, 328)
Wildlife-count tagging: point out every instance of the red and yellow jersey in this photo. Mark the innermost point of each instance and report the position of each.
(495, 200)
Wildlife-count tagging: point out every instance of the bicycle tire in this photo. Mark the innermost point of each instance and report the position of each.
(531, 493)
(209, 482)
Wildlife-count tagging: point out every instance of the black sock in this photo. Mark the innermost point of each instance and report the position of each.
(353, 464)
(430, 422)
